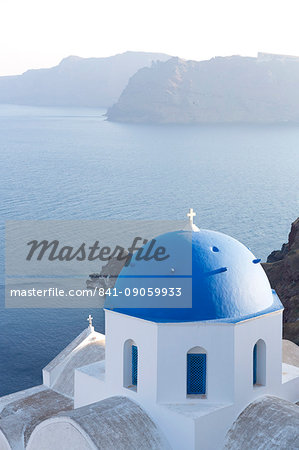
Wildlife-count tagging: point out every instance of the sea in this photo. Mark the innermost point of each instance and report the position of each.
(71, 163)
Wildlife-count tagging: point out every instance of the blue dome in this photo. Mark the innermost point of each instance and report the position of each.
(220, 278)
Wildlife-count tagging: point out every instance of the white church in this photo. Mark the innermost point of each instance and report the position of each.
(207, 370)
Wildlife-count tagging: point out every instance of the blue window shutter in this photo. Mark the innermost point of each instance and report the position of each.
(254, 363)
(196, 373)
(134, 364)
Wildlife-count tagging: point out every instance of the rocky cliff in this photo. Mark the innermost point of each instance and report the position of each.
(282, 268)
(221, 90)
(96, 82)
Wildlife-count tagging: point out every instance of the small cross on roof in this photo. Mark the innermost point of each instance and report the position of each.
(89, 318)
(191, 214)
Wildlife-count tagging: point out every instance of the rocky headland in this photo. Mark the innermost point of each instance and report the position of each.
(282, 268)
(75, 81)
(231, 89)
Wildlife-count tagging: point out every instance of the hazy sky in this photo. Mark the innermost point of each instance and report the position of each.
(39, 33)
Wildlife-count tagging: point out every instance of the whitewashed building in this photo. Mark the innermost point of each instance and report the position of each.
(173, 371)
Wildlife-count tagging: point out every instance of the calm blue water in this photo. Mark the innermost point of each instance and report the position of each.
(72, 164)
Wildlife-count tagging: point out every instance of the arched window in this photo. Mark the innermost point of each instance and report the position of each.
(196, 371)
(259, 363)
(130, 369)
(134, 365)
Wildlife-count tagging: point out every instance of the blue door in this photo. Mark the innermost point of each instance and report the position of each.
(196, 373)
(134, 364)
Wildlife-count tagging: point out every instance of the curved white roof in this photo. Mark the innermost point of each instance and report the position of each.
(267, 423)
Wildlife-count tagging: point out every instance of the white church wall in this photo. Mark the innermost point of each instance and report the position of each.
(267, 328)
(290, 384)
(210, 430)
(174, 342)
(162, 371)
(88, 389)
(177, 428)
(162, 357)
(119, 329)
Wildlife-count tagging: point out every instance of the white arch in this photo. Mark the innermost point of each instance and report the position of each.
(60, 432)
(127, 364)
(259, 363)
(197, 349)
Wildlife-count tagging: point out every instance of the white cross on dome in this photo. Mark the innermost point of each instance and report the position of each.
(191, 214)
